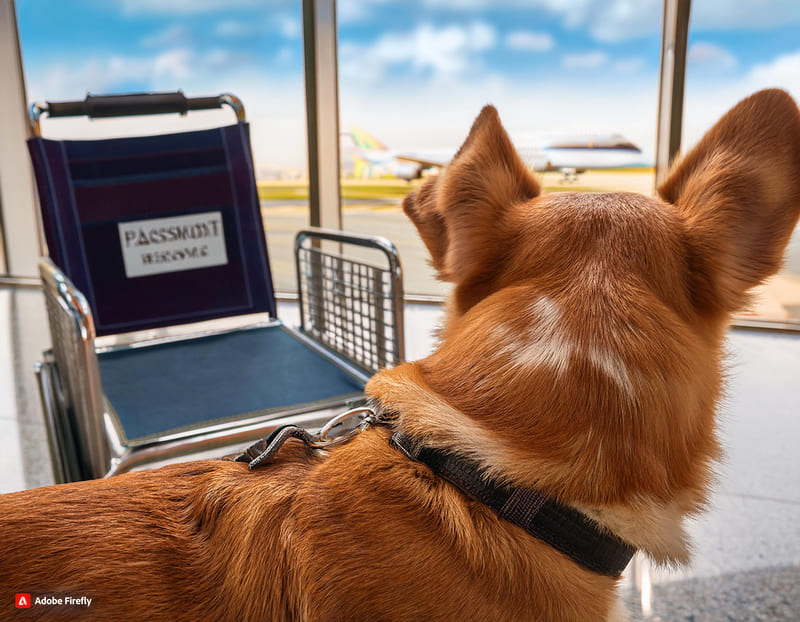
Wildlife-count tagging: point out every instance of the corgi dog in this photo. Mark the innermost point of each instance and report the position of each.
(565, 419)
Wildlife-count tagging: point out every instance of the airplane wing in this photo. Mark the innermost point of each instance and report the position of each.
(426, 160)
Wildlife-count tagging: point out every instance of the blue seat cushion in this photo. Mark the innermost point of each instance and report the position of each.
(171, 387)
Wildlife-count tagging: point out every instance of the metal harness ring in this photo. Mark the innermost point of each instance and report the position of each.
(366, 418)
(263, 450)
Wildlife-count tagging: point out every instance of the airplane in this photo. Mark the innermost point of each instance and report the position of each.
(571, 155)
(371, 158)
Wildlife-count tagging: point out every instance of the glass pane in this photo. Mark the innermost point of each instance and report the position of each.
(251, 49)
(568, 79)
(736, 49)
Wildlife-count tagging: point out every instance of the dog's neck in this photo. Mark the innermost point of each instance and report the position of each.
(402, 396)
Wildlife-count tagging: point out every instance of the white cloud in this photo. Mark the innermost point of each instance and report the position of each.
(169, 70)
(464, 5)
(219, 59)
(783, 71)
(529, 41)
(628, 66)
(173, 64)
(709, 56)
(443, 51)
(232, 28)
(744, 14)
(707, 101)
(167, 67)
(351, 11)
(588, 60)
(288, 26)
(184, 7)
(606, 20)
(621, 20)
(177, 34)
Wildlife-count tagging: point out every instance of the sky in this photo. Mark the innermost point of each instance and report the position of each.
(413, 73)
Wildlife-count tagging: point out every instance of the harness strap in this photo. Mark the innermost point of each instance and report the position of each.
(562, 527)
(261, 451)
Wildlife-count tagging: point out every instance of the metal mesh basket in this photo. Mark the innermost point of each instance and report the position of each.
(351, 306)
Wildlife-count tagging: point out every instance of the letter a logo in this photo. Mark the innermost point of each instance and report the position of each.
(22, 601)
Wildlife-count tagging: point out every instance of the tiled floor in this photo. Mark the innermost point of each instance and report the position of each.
(746, 563)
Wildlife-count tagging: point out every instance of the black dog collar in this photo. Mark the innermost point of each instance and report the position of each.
(562, 527)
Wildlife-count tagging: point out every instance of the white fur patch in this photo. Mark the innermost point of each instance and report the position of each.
(613, 367)
(542, 345)
(428, 415)
(546, 344)
(652, 526)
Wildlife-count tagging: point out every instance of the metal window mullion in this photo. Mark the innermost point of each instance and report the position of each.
(21, 244)
(322, 112)
(672, 77)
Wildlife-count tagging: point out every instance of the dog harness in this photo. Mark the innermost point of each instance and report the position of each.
(564, 528)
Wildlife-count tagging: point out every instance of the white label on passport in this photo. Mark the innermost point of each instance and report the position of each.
(174, 244)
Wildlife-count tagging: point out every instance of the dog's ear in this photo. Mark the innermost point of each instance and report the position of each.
(459, 214)
(739, 193)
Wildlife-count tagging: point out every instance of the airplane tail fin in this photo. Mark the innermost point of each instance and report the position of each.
(362, 140)
(361, 168)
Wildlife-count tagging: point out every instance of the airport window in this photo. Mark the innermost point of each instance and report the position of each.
(576, 88)
(251, 49)
(735, 50)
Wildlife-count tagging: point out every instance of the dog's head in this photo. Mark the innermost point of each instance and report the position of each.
(583, 335)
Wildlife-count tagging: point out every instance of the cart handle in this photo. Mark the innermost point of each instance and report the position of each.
(100, 106)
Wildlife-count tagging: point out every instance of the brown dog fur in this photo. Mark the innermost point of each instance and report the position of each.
(580, 355)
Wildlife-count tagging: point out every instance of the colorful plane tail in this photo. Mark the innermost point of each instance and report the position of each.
(361, 168)
(362, 140)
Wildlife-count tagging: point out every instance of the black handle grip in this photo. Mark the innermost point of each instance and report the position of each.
(100, 106)
(65, 109)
